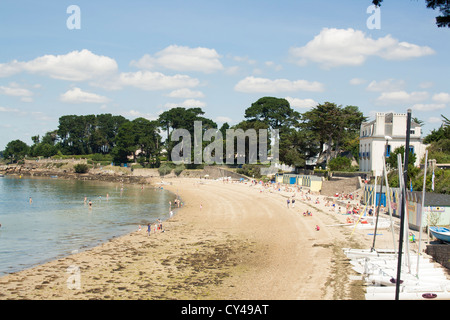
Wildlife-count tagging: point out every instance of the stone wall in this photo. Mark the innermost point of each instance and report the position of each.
(440, 253)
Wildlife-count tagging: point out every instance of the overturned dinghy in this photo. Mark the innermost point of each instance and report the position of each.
(367, 253)
(433, 295)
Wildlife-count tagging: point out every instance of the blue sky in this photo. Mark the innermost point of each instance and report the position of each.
(140, 58)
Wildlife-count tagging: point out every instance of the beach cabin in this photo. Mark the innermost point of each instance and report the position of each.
(436, 210)
(314, 183)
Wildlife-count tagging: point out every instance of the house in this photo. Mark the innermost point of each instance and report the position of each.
(387, 131)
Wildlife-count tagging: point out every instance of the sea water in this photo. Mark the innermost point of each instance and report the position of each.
(45, 219)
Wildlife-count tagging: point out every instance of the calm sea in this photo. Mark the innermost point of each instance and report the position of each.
(58, 222)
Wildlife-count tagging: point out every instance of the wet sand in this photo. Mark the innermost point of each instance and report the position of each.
(228, 241)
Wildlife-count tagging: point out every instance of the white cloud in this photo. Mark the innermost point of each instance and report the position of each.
(73, 66)
(188, 103)
(263, 85)
(137, 114)
(181, 58)
(192, 103)
(402, 97)
(349, 47)
(148, 80)
(434, 120)
(223, 119)
(9, 110)
(185, 93)
(428, 107)
(442, 97)
(301, 103)
(271, 64)
(76, 95)
(357, 81)
(245, 59)
(15, 91)
(232, 70)
(426, 84)
(386, 85)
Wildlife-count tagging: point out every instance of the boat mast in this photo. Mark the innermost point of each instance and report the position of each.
(379, 196)
(388, 203)
(403, 211)
(423, 205)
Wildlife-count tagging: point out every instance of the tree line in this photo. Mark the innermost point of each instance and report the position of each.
(301, 135)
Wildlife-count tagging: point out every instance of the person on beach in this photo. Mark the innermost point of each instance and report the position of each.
(288, 201)
(149, 229)
(293, 202)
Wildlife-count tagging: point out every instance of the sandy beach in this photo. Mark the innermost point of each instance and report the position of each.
(228, 241)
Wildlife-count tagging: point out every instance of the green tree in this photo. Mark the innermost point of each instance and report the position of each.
(442, 5)
(275, 112)
(16, 150)
(182, 118)
(392, 163)
(333, 124)
(296, 146)
(125, 143)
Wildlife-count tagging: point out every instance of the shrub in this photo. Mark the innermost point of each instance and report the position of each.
(164, 169)
(340, 164)
(178, 169)
(81, 168)
(250, 170)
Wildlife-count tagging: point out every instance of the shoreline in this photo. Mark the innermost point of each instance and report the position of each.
(88, 243)
(229, 241)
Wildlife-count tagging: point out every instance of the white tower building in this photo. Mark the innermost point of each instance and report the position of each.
(390, 128)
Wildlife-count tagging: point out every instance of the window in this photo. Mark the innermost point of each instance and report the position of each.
(388, 151)
(411, 149)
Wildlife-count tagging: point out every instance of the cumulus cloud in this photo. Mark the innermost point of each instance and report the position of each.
(73, 66)
(301, 103)
(357, 81)
(188, 103)
(402, 97)
(263, 85)
(15, 91)
(428, 106)
(185, 93)
(182, 58)
(148, 80)
(348, 47)
(434, 120)
(76, 95)
(442, 97)
(386, 85)
(223, 119)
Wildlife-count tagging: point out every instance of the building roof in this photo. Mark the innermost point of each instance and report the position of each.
(432, 199)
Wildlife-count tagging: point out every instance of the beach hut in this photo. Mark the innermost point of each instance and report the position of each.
(436, 211)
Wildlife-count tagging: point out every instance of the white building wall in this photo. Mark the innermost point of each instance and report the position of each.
(373, 140)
